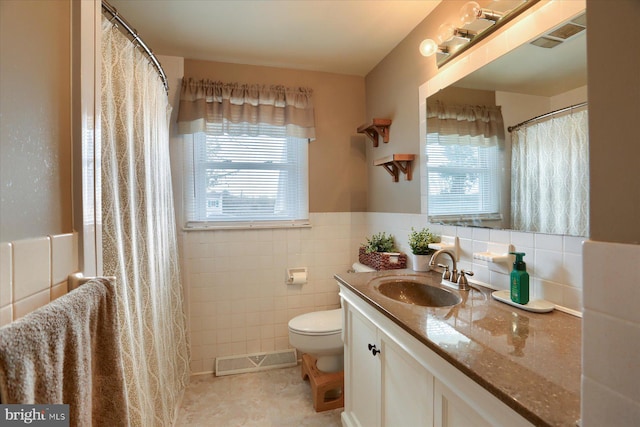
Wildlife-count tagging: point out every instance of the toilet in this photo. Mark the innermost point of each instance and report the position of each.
(319, 334)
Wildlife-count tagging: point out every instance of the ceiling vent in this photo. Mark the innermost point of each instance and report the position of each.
(546, 42)
(566, 31)
(581, 20)
(562, 33)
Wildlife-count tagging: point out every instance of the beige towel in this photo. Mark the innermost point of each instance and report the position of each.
(68, 352)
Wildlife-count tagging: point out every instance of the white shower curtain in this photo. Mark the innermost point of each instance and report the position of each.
(550, 176)
(138, 230)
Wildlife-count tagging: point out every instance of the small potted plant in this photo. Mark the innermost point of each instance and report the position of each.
(420, 250)
(380, 242)
(380, 252)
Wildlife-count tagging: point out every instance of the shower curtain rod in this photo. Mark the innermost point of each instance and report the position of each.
(106, 7)
(551, 113)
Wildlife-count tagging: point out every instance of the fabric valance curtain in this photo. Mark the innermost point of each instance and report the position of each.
(206, 101)
(467, 120)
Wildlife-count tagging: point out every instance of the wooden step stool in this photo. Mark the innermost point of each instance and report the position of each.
(321, 383)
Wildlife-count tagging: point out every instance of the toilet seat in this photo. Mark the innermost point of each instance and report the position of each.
(327, 322)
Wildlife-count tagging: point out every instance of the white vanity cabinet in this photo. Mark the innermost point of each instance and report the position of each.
(452, 411)
(384, 384)
(401, 382)
(362, 370)
(406, 387)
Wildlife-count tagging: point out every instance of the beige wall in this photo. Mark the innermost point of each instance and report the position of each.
(337, 163)
(392, 92)
(35, 134)
(614, 111)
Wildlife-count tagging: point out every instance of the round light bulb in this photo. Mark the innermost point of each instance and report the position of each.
(469, 12)
(428, 47)
(445, 32)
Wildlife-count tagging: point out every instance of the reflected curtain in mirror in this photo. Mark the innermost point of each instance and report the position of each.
(550, 176)
(465, 147)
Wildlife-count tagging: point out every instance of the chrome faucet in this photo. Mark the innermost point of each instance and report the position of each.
(446, 275)
(452, 276)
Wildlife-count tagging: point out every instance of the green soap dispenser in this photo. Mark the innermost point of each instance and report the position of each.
(519, 280)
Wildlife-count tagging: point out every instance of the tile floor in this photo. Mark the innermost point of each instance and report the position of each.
(274, 398)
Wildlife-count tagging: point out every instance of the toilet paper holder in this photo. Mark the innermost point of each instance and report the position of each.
(297, 276)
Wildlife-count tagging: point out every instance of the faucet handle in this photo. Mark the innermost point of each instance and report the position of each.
(463, 284)
(446, 275)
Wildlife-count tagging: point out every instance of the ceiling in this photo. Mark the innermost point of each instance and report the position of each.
(337, 36)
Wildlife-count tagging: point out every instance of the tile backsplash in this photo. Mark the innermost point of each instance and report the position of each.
(554, 262)
(239, 303)
(34, 272)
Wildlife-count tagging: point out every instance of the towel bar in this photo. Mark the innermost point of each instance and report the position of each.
(78, 279)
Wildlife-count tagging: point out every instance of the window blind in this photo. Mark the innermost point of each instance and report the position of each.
(463, 176)
(244, 173)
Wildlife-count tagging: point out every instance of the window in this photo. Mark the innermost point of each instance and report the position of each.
(463, 177)
(244, 175)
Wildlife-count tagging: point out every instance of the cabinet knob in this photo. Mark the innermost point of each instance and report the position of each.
(373, 349)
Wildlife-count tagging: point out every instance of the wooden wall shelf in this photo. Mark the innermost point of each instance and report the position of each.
(397, 163)
(378, 128)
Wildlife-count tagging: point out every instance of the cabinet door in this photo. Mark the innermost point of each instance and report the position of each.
(452, 411)
(362, 372)
(407, 388)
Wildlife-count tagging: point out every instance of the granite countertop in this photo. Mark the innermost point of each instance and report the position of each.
(530, 361)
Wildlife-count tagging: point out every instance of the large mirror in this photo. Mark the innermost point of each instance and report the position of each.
(507, 145)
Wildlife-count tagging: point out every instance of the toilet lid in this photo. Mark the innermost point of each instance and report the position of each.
(318, 322)
(361, 268)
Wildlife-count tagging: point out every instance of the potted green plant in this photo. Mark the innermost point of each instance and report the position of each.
(380, 242)
(420, 250)
(380, 252)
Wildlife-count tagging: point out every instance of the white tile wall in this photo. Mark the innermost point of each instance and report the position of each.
(235, 279)
(610, 392)
(31, 267)
(238, 299)
(34, 272)
(6, 275)
(64, 258)
(30, 303)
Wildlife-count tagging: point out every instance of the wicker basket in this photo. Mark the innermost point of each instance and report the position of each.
(382, 260)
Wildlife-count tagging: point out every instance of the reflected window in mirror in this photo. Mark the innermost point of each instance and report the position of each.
(465, 163)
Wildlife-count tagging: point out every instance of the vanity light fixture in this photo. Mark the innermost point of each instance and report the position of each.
(446, 33)
(469, 13)
(428, 47)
